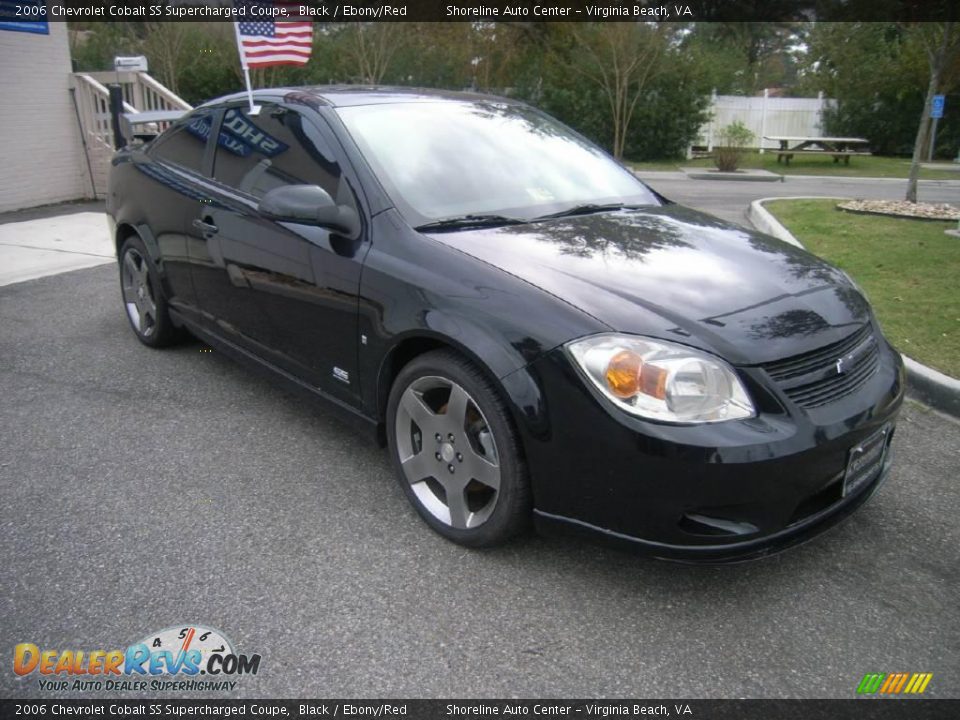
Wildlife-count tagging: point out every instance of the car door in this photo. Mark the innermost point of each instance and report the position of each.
(287, 291)
(171, 175)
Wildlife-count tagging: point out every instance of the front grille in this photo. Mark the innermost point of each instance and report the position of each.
(815, 360)
(815, 378)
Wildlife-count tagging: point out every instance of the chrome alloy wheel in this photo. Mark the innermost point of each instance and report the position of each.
(447, 452)
(138, 294)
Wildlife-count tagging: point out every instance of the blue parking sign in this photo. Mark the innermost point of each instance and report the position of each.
(936, 108)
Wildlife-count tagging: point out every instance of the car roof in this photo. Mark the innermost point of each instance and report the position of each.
(348, 95)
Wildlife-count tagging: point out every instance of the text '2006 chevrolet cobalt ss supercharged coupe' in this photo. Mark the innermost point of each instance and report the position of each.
(532, 332)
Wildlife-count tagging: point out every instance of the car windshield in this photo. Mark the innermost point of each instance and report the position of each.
(441, 160)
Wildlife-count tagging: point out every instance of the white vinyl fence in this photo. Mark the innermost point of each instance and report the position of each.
(764, 116)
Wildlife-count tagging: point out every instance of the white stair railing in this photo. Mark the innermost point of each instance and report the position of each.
(93, 106)
(141, 93)
(158, 97)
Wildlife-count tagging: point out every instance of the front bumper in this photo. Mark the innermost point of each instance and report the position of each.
(713, 493)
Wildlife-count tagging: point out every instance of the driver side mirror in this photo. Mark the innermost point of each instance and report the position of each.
(310, 205)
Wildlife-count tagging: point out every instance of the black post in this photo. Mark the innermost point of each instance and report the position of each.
(116, 108)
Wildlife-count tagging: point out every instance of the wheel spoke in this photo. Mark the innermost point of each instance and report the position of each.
(419, 466)
(144, 316)
(129, 292)
(482, 470)
(130, 265)
(456, 411)
(150, 306)
(422, 415)
(457, 503)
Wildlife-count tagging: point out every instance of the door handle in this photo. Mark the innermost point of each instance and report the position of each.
(205, 227)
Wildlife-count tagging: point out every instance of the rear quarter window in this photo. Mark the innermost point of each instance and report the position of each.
(184, 144)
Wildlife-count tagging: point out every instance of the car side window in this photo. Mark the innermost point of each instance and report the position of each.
(184, 143)
(276, 147)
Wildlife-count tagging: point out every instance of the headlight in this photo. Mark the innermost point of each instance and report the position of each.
(660, 380)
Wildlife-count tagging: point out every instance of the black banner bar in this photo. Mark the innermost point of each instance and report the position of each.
(859, 709)
(480, 10)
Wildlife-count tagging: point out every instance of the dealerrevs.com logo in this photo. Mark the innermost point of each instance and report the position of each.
(171, 659)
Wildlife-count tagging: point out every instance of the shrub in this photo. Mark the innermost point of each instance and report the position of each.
(733, 139)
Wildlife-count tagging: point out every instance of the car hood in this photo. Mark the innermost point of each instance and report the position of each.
(677, 274)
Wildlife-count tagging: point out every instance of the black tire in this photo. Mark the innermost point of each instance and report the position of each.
(143, 301)
(488, 436)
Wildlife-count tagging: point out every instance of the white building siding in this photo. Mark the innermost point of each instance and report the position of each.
(42, 158)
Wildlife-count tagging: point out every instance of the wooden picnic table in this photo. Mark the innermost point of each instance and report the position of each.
(837, 147)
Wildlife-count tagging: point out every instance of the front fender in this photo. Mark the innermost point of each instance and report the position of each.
(419, 294)
(517, 385)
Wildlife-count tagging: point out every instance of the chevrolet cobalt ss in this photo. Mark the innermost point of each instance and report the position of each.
(532, 332)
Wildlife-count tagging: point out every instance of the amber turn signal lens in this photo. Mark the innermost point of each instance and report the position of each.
(623, 374)
(628, 376)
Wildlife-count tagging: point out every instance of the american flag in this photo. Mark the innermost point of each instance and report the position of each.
(268, 42)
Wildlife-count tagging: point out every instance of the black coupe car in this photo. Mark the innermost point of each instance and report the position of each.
(532, 332)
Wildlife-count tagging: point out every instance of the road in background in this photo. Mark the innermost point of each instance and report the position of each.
(729, 199)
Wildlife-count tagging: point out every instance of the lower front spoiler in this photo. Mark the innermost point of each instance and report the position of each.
(752, 549)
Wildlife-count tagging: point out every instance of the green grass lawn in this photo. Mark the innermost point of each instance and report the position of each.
(909, 269)
(860, 166)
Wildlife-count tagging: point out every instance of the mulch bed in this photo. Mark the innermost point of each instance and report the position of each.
(902, 208)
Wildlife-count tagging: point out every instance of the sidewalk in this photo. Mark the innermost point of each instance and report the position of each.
(46, 241)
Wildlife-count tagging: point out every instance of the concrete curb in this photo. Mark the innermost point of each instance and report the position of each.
(764, 221)
(933, 388)
(740, 175)
(925, 384)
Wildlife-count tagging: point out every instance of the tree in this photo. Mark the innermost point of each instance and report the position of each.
(865, 69)
(94, 45)
(619, 59)
(435, 55)
(164, 44)
(756, 55)
(668, 107)
(942, 46)
(877, 74)
(370, 48)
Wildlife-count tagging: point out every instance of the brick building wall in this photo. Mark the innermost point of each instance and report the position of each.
(42, 156)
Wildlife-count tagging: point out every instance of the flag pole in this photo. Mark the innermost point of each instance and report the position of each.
(246, 70)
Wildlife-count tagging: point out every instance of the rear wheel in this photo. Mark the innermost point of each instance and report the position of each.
(455, 452)
(143, 300)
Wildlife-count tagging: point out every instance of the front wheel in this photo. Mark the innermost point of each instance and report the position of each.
(455, 451)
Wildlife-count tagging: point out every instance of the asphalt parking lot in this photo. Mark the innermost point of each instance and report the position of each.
(143, 489)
